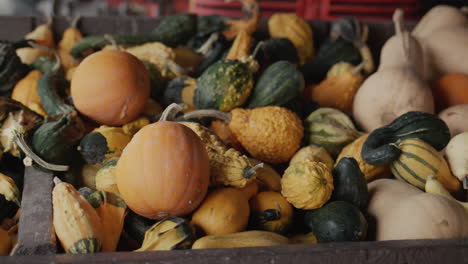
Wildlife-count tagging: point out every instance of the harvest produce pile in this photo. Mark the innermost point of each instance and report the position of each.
(200, 134)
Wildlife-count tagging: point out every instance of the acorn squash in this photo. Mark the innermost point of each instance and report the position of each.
(349, 183)
(337, 221)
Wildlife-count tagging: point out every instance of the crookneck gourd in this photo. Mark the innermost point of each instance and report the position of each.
(77, 224)
(227, 165)
(271, 134)
(380, 146)
(172, 31)
(167, 234)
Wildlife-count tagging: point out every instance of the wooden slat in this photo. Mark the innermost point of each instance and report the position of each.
(36, 234)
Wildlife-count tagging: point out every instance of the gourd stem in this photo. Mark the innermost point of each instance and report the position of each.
(114, 44)
(57, 180)
(58, 61)
(171, 111)
(364, 33)
(257, 49)
(400, 31)
(19, 140)
(359, 67)
(226, 117)
(75, 21)
(250, 171)
(208, 45)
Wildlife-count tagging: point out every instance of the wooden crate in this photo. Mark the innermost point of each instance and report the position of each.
(36, 234)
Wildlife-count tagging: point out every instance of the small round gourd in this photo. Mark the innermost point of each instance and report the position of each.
(110, 87)
(307, 184)
(163, 171)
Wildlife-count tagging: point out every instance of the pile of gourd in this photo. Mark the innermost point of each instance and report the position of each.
(198, 135)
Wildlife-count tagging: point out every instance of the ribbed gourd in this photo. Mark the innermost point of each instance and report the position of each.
(103, 143)
(307, 184)
(25, 92)
(296, 30)
(227, 165)
(330, 129)
(168, 234)
(111, 210)
(76, 222)
(338, 89)
(418, 160)
(9, 197)
(314, 153)
(105, 176)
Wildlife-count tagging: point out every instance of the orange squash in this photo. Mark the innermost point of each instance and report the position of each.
(163, 171)
(110, 87)
(450, 90)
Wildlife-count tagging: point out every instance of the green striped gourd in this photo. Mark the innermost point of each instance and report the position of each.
(417, 161)
(331, 129)
(279, 84)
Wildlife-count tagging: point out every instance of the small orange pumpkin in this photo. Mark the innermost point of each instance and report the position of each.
(450, 90)
(163, 171)
(110, 87)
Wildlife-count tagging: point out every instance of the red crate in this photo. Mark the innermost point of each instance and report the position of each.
(233, 9)
(368, 9)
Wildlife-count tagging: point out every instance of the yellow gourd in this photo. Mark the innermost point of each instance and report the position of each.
(270, 211)
(297, 30)
(44, 36)
(267, 178)
(354, 149)
(307, 184)
(133, 127)
(76, 223)
(314, 153)
(223, 211)
(338, 89)
(242, 239)
(25, 92)
(105, 176)
(167, 234)
(69, 38)
(111, 210)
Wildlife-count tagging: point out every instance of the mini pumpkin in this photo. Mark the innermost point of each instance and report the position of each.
(110, 87)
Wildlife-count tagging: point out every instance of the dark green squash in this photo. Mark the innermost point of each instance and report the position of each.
(11, 68)
(278, 84)
(330, 53)
(224, 86)
(277, 49)
(172, 31)
(337, 221)
(380, 147)
(349, 183)
(180, 90)
(135, 226)
(55, 139)
(206, 25)
(156, 80)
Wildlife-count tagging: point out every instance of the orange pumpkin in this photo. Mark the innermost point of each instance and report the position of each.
(450, 90)
(110, 87)
(163, 171)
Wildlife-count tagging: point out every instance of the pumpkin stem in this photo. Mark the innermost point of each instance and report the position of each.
(75, 21)
(112, 41)
(226, 117)
(250, 171)
(19, 140)
(206, 48)
(171, 111)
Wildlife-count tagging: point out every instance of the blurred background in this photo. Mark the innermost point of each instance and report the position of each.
(309, 9)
